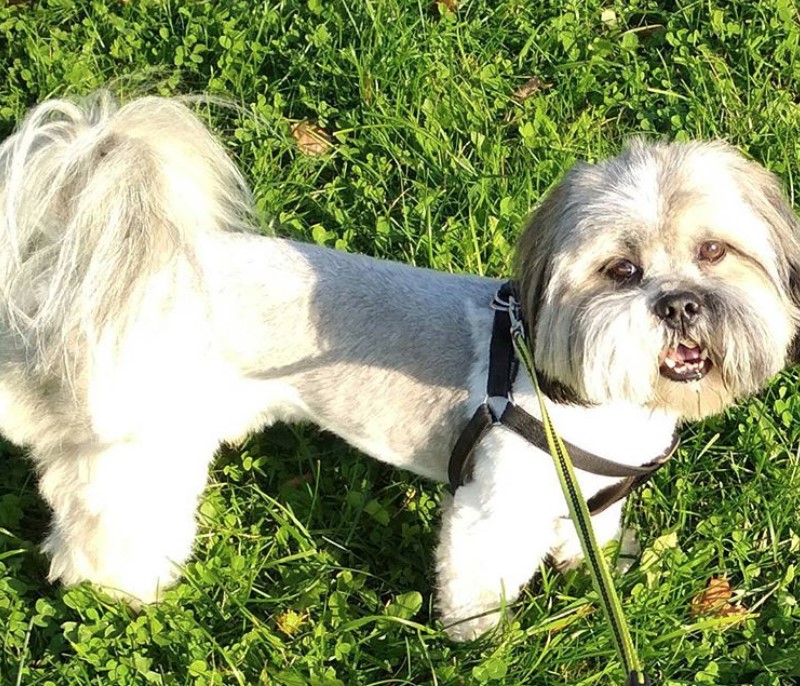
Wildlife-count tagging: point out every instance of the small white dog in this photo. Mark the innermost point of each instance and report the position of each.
(143, 321)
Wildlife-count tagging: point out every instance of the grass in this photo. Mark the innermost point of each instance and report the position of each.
(314, 564)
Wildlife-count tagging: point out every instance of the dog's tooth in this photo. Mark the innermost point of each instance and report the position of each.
(704, 354)
(670, 362)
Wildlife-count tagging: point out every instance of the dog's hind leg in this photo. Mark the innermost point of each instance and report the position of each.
(124, 515)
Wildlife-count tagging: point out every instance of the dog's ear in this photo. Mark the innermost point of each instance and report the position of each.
(535, 249)
(793, 285)
(764, 193)
(552, 223)
(793, 353)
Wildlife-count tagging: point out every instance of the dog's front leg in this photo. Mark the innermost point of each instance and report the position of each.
(123, 515)
(483, 560)
(496, 531)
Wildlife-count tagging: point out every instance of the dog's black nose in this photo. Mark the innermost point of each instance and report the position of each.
(679, 308)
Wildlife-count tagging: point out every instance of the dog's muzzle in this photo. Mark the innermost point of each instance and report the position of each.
(688, 360)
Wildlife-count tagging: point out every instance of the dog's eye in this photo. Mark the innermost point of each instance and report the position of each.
(623, 270)
(712, 251)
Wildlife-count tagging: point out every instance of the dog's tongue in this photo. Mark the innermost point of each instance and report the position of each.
(687, 361)
(685, 354)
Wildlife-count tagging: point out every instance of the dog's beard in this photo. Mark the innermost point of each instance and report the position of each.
(607, 347)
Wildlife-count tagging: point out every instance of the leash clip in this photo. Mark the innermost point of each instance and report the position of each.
(504, 301)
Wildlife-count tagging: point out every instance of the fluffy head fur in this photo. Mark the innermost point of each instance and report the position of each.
(600, 336)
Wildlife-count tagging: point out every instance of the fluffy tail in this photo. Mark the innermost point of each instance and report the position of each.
(95, 197)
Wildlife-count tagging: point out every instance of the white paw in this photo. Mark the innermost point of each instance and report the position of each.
(136, 579)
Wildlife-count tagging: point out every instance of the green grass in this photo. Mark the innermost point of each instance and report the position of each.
(314, 564)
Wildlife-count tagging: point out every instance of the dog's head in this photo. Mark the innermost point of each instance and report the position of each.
(666, 276)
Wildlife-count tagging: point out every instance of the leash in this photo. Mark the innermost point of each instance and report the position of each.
(601, 576)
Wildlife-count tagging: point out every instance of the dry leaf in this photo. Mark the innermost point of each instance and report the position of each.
(299, 480)
(646, 31)
(367, 89)
(715, 599)
(609, 17)
(312, 139)
(445, 6)
(290, 621)
(411, 493)
(531, 86)
(731, 610)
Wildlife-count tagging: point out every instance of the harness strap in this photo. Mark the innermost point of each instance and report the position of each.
(459, 471)
(503, 367)
(532, 430)
(503, 363)
(609, 495)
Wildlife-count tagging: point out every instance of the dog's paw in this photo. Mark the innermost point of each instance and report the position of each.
(136, 580)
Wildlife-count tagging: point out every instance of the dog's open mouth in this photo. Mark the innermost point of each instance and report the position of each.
(687, 362)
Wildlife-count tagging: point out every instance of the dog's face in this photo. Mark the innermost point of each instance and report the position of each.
(665, 276)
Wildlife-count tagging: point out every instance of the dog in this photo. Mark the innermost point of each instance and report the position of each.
(144, 320)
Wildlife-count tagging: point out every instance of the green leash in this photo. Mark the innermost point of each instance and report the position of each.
(601, 576)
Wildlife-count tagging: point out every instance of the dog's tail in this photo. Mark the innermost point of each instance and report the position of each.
(95, 197)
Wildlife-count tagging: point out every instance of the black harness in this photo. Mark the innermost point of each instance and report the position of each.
(503, 367)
